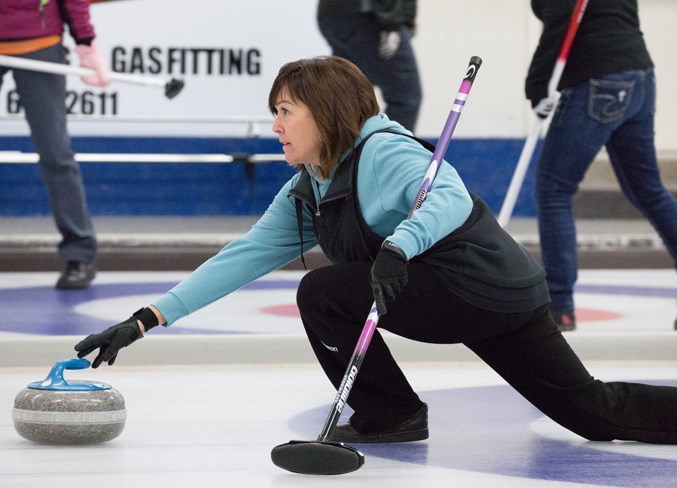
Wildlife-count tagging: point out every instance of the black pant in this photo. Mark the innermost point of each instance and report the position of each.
(526, 349)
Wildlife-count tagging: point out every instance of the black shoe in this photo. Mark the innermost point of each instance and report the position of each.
(566, 321)
(414, 429)
(76, 276)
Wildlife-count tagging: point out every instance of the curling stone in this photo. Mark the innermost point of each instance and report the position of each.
(56, 411)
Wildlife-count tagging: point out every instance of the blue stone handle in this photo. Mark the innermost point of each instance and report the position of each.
(56, 381)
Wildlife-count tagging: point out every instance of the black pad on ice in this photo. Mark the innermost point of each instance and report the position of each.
(314, 457)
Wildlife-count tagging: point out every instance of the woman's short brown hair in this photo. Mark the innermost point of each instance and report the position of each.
(339, 96)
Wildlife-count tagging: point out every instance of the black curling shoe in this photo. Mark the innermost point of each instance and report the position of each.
(414, 429)
(76, 276)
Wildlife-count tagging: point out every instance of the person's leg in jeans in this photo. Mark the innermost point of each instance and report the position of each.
(399, 81)
(632, 152)
(43, 98)
(572, 142)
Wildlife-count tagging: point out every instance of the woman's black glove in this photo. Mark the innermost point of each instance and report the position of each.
(114, 338)
(388, 275)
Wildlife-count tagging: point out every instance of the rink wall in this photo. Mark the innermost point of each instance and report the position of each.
(228, 54)
(237, 188)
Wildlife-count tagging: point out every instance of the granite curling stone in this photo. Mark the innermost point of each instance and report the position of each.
(56, 411)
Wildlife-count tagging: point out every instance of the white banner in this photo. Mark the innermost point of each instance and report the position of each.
(226, 52)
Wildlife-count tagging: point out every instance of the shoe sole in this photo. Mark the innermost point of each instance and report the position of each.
(409, 436)
(73, 286)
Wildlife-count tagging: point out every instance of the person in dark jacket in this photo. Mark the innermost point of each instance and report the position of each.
(448, 274)
(376, 36)
(608, 99)
(34, 30)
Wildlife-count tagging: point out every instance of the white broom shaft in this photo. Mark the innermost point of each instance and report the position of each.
(530, 143)
(67, 69)
(519, 174)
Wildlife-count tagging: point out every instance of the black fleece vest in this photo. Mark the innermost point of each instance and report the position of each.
(479, 261)
(341, 231)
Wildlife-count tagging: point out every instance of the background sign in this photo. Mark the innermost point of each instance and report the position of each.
(227, 53)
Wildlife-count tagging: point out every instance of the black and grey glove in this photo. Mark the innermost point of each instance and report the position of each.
(389, 274)
(544, 107)
(389, 43)
(114, 338)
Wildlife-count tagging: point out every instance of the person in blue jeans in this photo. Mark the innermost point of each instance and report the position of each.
(607, 99)
(376, 36)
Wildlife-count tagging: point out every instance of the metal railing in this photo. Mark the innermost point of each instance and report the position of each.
(253, 124)
(18, 157)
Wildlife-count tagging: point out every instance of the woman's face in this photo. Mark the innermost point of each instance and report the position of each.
(297, 131)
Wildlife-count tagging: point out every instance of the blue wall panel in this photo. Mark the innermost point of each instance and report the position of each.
(486, 165)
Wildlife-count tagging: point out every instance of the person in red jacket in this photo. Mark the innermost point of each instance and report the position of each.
(33, 29)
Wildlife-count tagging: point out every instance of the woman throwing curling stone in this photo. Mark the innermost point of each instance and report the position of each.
(449, 274)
